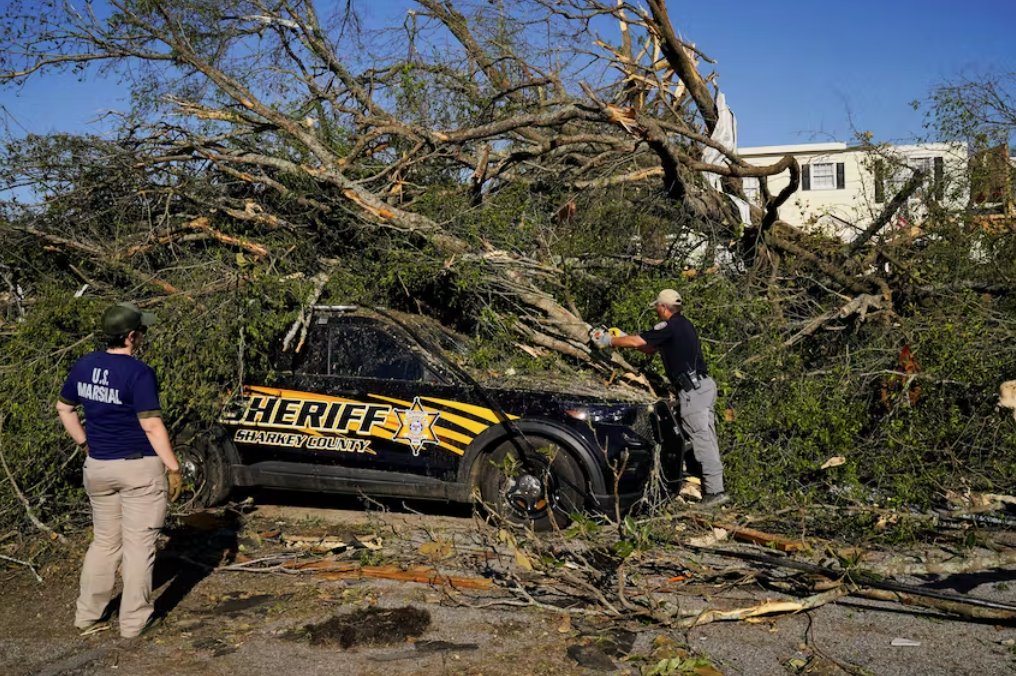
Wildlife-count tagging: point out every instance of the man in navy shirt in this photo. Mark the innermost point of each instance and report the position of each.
(130, 469)
(676, 340)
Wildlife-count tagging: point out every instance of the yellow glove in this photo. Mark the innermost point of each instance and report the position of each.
(616, 332)
(174, 484)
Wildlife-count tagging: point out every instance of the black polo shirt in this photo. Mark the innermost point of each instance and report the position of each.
(678, 346)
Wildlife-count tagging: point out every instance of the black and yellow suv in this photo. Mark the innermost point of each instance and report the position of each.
(381, 403)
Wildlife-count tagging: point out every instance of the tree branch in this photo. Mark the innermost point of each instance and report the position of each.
(888, 212)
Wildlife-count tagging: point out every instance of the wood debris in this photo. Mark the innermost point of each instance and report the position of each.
(834, 461)
(333, 569)
(1007, 396)
(955, 566)
(716, 536)
(745, 534)
(766, 608)
(314, 543)
(979, 502)
(951, 607)
(417, 574)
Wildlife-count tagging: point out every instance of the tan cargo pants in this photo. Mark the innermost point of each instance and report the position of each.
(128, 508)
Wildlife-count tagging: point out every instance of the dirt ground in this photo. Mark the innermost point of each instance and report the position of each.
(221, 621)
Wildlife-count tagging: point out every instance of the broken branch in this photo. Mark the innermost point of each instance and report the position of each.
(36, 521)
(767, 608)
(890, 209)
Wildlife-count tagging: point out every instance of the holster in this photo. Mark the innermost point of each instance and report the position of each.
(689, 381)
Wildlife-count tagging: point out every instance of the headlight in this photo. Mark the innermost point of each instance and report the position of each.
(611, 415)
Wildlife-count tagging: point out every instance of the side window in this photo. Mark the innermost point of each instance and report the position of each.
(313, 355)
(363, 351)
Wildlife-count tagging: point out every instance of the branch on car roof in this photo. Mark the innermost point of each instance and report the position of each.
(556, 344)
(302, 323)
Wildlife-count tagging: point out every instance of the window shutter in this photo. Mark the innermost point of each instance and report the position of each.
(841, 178)
(879, 181)
(939, 184)
(806, 177)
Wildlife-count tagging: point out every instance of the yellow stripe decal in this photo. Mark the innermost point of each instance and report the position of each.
(456, 451)
(478, 411)
(402, 402)
(445, 433)
(465, 423)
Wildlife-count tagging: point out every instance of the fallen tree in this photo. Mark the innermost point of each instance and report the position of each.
(520, 187)
(308, 135)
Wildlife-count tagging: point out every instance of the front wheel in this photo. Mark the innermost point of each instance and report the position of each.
(533, 482)
(204, 468)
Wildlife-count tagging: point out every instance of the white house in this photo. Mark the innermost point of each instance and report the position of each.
(844, 188)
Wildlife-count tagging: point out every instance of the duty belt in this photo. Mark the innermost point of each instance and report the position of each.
(690, 380)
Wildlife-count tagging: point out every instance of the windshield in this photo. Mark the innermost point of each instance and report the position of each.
(511, 371)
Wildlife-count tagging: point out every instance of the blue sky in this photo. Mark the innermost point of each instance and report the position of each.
(794, 71)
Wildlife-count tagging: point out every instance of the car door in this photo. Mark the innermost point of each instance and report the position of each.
(277, 421)
(377, 364)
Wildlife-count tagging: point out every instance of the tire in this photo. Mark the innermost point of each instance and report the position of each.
(538, 484)
(204, 467)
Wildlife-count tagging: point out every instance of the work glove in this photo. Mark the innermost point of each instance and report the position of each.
(616, 332)
(174, 484)
(600, 337)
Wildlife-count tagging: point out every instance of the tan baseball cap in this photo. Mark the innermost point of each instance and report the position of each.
(666, 297)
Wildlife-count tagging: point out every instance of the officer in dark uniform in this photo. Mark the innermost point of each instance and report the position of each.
(675, 339)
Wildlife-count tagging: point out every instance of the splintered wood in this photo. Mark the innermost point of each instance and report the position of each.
(344, 570)
(766, 608)
(744, 534)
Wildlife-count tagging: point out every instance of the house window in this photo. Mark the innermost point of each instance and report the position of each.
(823, 176)
(880, 180)
(892, 181)
(751, 190)
(934, 173)
(925, 164)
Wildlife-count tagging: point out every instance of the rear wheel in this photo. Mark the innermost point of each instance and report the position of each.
(534, 482)
(203, 467)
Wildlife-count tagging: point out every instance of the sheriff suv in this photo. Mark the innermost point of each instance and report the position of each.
(381, 403)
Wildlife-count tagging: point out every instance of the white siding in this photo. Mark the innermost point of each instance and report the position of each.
(843, 212)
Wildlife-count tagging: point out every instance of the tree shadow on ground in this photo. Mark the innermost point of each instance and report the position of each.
(965, 583)
(197, 544)
(357, 503)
